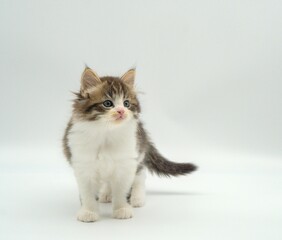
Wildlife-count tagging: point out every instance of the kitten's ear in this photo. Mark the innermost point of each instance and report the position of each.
(89, 79)
(129, 77)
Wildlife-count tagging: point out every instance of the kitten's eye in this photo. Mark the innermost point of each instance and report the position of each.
(108, 104)
(126, 103)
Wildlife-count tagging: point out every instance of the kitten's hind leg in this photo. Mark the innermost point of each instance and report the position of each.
(138, 194)
(105, 195)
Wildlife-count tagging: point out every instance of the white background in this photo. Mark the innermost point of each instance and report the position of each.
(211, 76)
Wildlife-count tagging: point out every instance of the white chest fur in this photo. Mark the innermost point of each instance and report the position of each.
(98, 149)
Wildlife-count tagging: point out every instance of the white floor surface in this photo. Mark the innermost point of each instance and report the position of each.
(239, 197)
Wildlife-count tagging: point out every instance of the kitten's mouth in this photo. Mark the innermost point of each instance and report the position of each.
(120, 117)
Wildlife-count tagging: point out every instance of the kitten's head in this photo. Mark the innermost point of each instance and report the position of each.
(111, 100)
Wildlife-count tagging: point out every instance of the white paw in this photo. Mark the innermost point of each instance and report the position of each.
(87, 216)
(105, 198)
(123, 213)
(137, 201)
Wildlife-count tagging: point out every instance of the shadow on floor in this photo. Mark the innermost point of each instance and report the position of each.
(172, 193)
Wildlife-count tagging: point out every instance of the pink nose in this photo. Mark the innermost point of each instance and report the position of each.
(120, 111)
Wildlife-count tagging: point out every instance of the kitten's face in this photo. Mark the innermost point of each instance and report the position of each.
(111, 100)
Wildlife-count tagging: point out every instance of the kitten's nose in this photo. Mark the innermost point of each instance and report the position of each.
(120, 111)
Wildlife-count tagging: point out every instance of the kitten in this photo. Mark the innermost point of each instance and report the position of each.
(108, 148)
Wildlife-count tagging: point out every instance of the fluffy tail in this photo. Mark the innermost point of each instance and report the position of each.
(158, 164)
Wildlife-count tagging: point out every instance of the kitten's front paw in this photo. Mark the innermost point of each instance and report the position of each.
(137, 201)
(123, 213)
(87, 216)
(105, 198)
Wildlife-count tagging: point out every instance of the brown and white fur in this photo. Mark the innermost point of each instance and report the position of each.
(108, 148)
